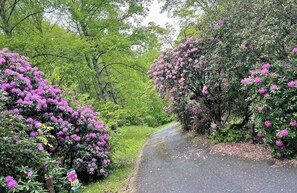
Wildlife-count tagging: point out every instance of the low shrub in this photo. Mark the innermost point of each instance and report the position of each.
(231, 135)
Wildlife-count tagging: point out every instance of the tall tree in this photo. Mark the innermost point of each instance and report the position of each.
(105, 26)
(93, 47)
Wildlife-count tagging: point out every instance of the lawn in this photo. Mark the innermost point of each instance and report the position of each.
(127, 143)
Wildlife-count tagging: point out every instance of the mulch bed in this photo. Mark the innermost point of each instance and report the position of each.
(252, 152)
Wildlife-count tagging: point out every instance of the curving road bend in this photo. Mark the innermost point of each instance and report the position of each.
(172, 164)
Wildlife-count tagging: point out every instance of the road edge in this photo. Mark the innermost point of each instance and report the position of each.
(131, 186)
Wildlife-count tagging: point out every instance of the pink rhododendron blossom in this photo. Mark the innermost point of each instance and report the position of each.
(273, 87)
(291, 84)
(33, 134)
(266, 95)
(205, 90)
(266, 66)
(243, 45)
(40, 147)
(284, 133)
(30, 120)
(261, 91)
(279, 143)
(59, 163)
(64, 130)
(15, 111)
(213, 125)
(37, 125)
(246, 80)
(257, 80)
(30, 173)
(264, 71)
(267, 123)
(293, 123)
(294, 50)
(11, 182)
(77, 138)
(259, 109)
(221, 22)
(2, 60)
(102, 171)
(259, 134)
(254, 72)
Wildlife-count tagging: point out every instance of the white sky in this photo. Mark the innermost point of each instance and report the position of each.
(159, 18)
(155, 15)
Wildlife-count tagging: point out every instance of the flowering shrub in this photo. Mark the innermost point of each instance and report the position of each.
(208, 72)
(178, 74)
(24, 165)
(273, 90)
(191, 73)
(200, 120)
(80, 139)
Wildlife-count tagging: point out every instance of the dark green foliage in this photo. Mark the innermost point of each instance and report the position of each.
(19, 156)
(231, 135)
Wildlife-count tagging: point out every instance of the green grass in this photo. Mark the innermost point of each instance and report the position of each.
(127, 143)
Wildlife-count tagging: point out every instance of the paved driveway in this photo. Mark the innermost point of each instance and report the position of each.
(172, 164)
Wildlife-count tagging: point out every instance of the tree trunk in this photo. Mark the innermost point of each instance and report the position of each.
(4, 18)
(112, 88)
(100, 79)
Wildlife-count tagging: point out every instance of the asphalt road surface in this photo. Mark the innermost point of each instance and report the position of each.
(172, 164)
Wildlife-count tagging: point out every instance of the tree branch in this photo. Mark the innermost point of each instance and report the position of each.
(123, 64)
(12, 9)
(54, 55)
(27, 18)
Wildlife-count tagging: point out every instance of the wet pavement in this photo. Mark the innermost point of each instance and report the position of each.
(171, 163)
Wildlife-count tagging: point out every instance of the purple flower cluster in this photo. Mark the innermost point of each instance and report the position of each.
(28, 95)
(279, 143)
(267, 124)
(246, 80)
(11, 182)
(284, 133)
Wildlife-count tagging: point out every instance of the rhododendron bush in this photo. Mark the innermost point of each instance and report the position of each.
(80, 139)
(203, 77)
(273, 90)
(199, 92)
(177, 74)
(197, 87)
(23, 162)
